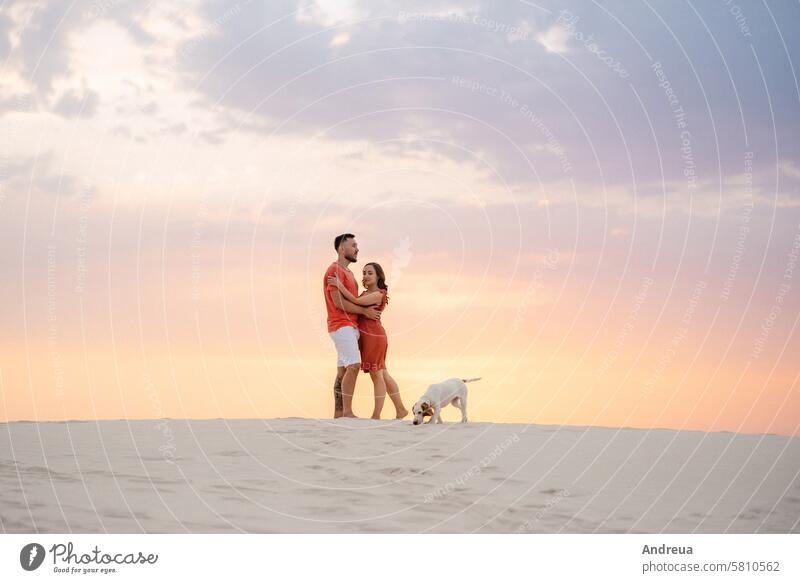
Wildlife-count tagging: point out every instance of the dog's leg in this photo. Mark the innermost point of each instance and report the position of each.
(433, 416)
(456, 402)
(462, 400)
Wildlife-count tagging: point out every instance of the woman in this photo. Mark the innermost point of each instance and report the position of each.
(372, 337)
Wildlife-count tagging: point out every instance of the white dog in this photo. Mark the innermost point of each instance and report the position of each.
(438, 396)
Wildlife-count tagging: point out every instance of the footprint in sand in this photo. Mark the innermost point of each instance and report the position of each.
(399, 471)
(552, 491)
(508, 481)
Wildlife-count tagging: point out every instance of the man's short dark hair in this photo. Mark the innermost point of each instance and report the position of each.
(343, 237)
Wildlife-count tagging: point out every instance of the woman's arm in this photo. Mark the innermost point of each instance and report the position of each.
(367, 299)
(367, 311)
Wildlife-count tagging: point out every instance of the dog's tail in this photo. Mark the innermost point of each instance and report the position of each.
(472, 379)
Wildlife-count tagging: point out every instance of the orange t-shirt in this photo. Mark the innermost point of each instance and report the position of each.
(336, 316)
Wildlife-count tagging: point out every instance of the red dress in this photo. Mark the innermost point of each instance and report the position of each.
(372, 340)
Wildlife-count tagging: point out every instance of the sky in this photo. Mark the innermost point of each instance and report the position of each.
(593, 207)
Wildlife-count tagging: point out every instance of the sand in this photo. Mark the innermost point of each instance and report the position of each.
(357, 475)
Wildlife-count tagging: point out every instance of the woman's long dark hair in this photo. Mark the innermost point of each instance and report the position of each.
(380, 275)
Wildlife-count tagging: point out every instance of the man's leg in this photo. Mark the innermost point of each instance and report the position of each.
(337, 392)
(348, 388)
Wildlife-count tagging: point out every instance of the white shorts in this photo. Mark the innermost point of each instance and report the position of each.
(346, 341)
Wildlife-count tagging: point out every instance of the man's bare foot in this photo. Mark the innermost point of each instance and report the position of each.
(374, 416)
(337, 413)
(349, 414)
(401, 413)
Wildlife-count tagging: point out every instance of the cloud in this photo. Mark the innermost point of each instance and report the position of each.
(18, 103)
(40, 175)
(6, 25)
(42, 50)
(554, 39)
(328, 12)
(121, 130)
(340, 39)
(790, 169)
(481, 89)
(393, 80)
(215, 136)
(71, 104)
(174, 129)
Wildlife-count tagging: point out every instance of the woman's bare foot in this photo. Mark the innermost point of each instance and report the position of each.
(401, 413)
(374, 416)
(350, 414)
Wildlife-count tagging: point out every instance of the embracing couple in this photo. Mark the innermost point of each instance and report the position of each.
(354, 324)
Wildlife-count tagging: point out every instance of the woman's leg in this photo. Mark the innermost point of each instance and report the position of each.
(394, 394)
(380, 392)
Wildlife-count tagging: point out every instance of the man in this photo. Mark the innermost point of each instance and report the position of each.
(343, 323)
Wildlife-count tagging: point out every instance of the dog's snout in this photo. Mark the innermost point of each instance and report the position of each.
(416, 422)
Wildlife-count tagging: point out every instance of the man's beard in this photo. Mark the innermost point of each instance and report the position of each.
(350, 258)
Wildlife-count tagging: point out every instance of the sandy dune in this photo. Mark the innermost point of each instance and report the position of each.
(302, 475)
